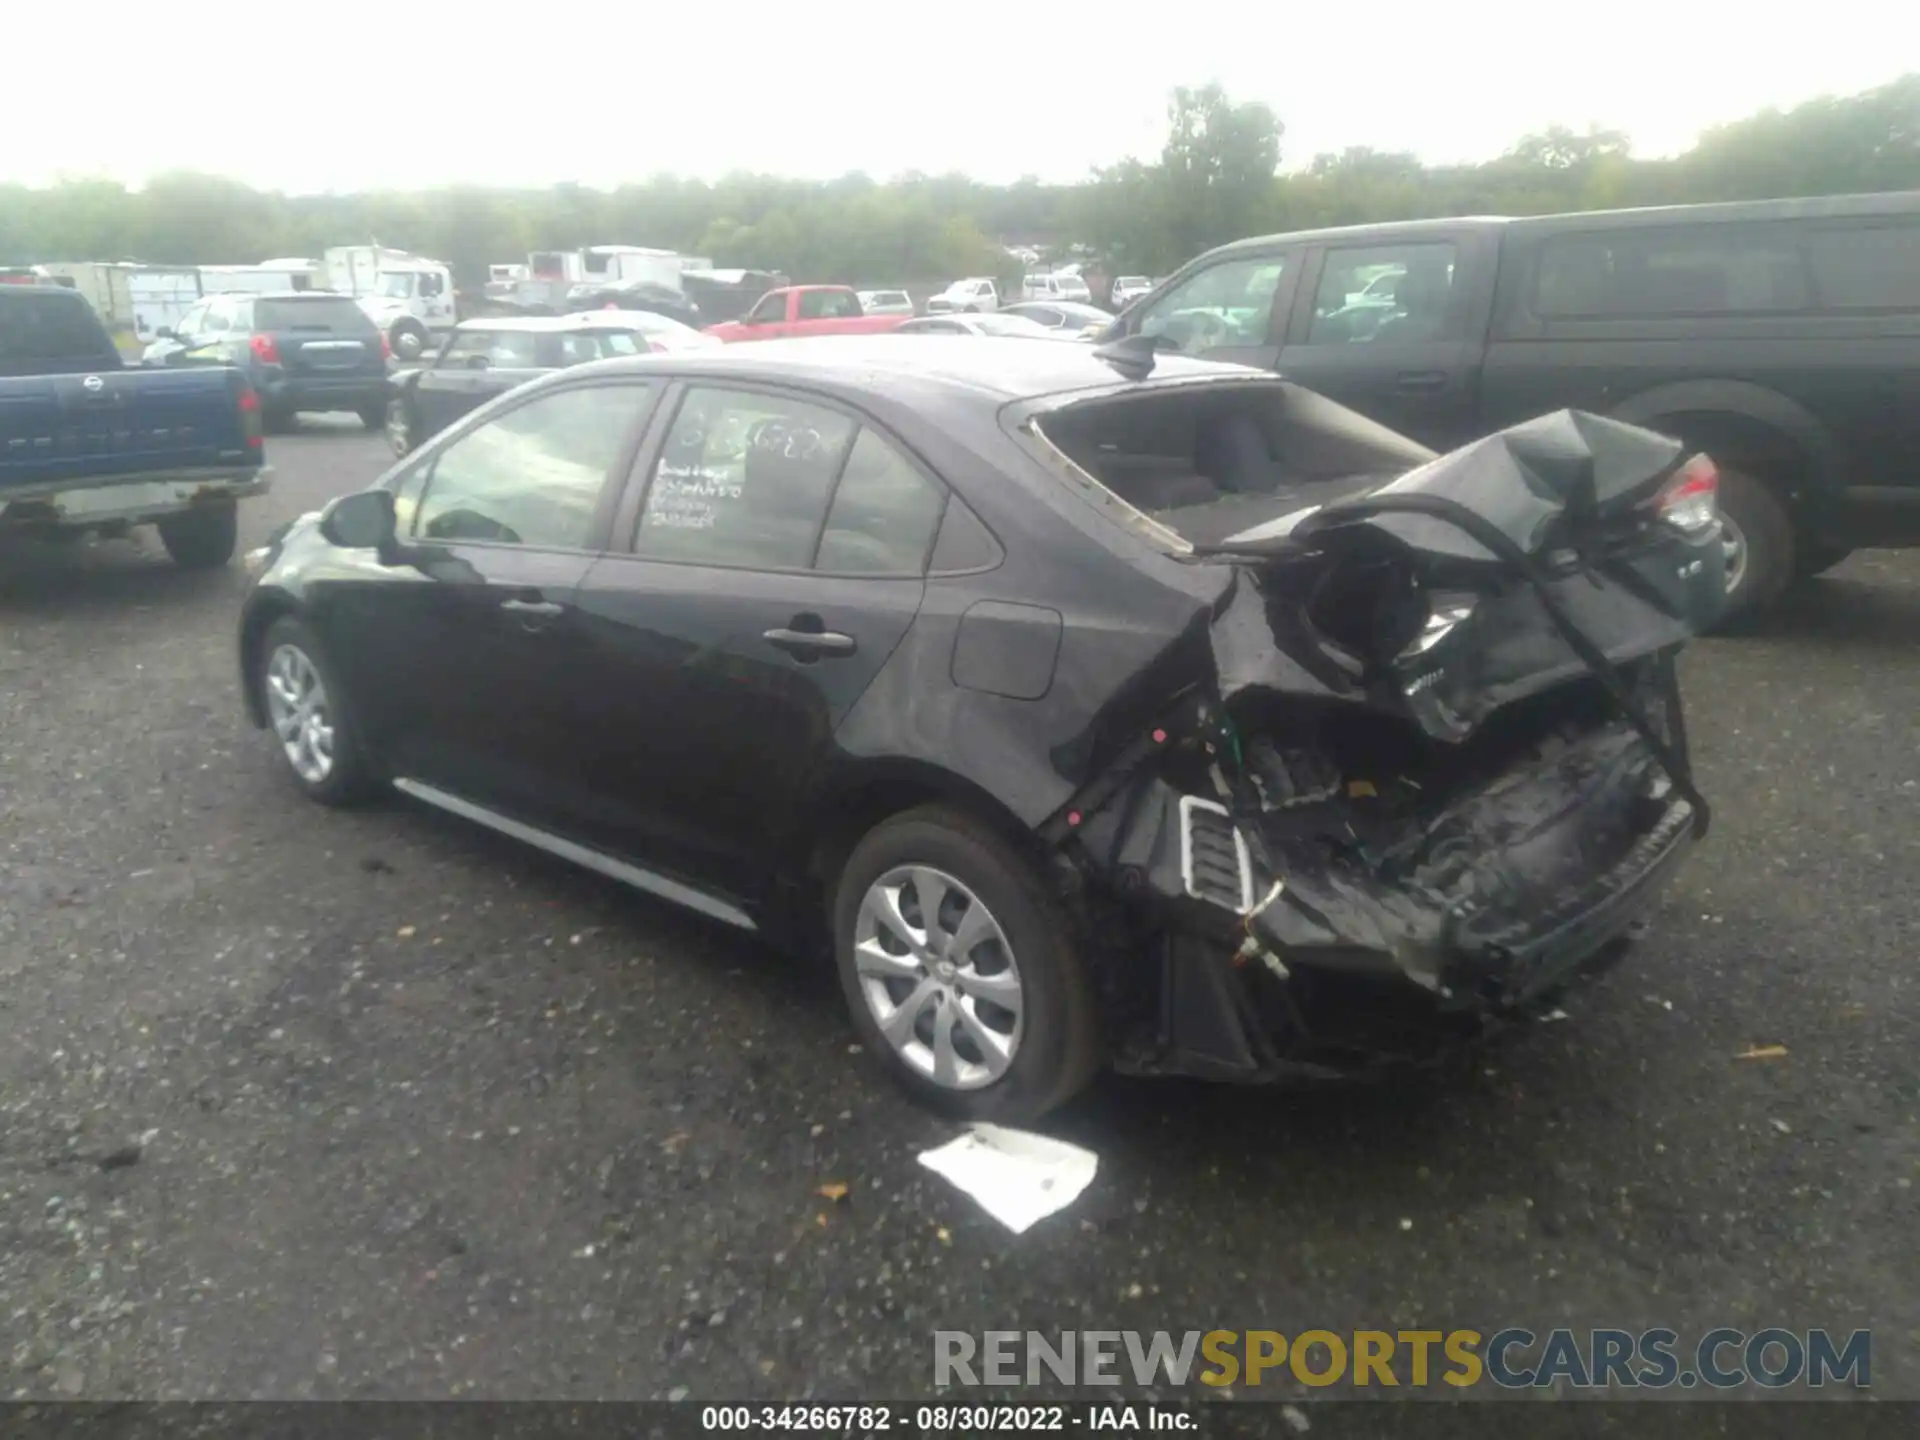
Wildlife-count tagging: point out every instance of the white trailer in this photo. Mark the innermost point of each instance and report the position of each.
(159, 297)
(262, 279)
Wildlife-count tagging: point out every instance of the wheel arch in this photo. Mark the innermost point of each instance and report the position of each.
(865, 794)
(266, 607)
(1773, 437)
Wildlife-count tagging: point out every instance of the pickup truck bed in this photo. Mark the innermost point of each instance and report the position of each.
(89, 444)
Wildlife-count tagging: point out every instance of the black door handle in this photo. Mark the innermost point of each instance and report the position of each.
(1421, 380)
(810, 644)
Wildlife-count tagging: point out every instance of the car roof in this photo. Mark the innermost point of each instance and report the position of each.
(301, 295)
(531, 324)
(991, 367)
(1065, 307)
(630, 319)
(1810, 207)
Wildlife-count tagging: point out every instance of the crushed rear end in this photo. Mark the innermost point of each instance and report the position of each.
(1437, 766)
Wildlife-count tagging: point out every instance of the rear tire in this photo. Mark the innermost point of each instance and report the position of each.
(1000, 1061)
(277, 422)
(374, 417)
(201, 539)
(1760, 544)
(289, 656)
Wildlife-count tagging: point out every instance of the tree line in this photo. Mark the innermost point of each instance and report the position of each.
(1217, 178)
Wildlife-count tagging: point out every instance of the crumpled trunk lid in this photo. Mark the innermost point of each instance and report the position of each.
(1443, 757)
(1413, 611)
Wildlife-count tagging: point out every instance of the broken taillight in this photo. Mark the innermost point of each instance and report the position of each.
(1691, 501)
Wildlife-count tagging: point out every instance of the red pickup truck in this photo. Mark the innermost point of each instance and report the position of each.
(805, 310)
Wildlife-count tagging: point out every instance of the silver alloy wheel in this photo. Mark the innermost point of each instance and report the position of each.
(1733, 551)
(939, 977)
(297, 706)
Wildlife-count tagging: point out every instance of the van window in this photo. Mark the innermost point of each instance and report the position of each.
(1866, 267)
(1706, 270)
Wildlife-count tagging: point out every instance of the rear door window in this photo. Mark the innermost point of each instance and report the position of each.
(883, 516)
(319, 315)
(1390, 293)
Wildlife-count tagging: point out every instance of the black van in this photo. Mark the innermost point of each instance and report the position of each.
(1781, 336)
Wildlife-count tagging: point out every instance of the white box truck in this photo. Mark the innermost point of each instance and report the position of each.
(408, 296)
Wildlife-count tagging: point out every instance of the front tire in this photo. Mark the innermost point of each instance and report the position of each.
(1759, 544)
(399, 431)
(309, 716)
(201, 539)
(961, 971)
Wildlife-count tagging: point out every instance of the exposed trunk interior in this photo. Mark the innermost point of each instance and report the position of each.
(1209, 461)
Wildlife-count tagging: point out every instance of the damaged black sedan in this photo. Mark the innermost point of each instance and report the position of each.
(1094, 706)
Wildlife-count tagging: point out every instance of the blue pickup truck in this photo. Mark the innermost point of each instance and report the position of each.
(90, 444)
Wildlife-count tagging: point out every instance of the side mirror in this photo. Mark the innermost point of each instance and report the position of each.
(363, 520)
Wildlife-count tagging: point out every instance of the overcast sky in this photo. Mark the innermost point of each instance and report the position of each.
(305, 97)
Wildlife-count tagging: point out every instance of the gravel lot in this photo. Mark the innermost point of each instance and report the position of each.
(296, 1103)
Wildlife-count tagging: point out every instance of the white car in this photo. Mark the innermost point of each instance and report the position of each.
(1128, 288)
(1062, 285)
(976, 293)
(1064, 317)
(885, 302)
(1005, 326)
(662, 333)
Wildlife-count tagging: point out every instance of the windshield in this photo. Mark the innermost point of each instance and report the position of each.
(397, 284)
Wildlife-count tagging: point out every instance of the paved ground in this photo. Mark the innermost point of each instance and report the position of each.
(295, 1103)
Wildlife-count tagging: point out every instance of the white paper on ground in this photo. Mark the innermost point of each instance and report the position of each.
(1016, 1176)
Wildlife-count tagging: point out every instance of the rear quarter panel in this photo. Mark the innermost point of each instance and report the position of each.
(1130, 621)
